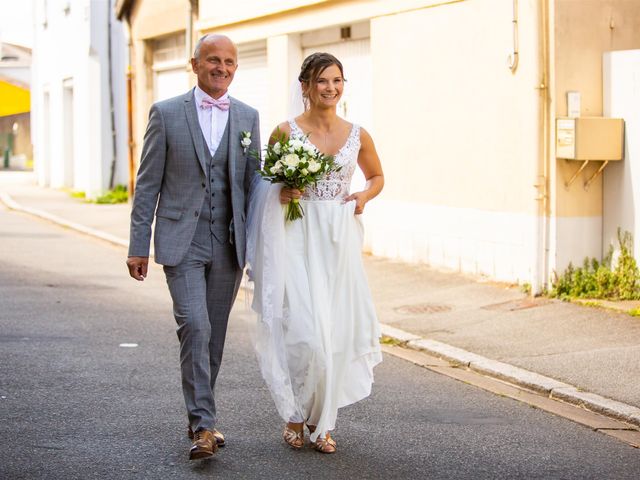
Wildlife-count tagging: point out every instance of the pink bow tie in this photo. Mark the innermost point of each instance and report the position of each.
(222, 104)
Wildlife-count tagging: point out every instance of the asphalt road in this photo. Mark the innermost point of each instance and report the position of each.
(75, 404)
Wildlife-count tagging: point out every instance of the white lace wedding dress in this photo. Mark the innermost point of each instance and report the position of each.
(317, 337)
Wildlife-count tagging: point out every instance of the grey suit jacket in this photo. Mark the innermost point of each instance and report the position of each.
(172, 178)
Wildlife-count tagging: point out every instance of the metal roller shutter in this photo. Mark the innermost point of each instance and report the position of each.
(250, 83)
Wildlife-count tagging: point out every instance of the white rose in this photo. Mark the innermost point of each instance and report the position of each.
(310, 149)
(304, 171)
(296, 144)
(314, 166)
(277, 148)
(274, 170)
(278, 166)
(246, 142)
(291, 160)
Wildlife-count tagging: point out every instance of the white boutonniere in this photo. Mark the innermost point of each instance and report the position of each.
(245, 140)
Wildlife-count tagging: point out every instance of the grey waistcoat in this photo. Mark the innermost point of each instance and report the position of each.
(215, 217)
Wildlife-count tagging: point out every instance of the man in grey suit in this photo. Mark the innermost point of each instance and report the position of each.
(195, 174)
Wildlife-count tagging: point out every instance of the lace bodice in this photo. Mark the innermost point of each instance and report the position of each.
(335, 185)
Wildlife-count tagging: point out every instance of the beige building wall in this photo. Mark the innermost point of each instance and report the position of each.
(245, 10)
(459, 138)
(460, 135)
(456, 126)
(584, 31)
(150, 19)
(260, 20)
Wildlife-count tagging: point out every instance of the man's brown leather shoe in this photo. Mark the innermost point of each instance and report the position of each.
(216, 434)
(204, 445)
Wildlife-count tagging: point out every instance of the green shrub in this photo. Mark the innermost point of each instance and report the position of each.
(118, 195)
(599, 279)
(77, 194)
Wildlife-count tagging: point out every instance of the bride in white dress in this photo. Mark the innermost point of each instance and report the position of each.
(317, 337)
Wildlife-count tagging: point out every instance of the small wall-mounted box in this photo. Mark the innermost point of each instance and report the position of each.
(590, 138)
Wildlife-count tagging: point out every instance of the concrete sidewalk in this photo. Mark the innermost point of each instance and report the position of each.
(584, 355)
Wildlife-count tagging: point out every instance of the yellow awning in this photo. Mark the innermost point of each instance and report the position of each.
(13, 99)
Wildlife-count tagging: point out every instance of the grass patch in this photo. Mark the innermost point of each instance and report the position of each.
(81, 195)
(590, 303)
(384, 340)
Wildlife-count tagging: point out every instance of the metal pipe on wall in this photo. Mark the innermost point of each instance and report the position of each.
(130, 140)
(188, 37)
(114, 143)
(540, 274)
(132, 167)
(192, 10)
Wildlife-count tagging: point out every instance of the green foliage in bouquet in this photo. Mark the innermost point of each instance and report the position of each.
(295, 163)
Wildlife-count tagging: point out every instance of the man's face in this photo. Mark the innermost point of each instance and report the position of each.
(215, 66)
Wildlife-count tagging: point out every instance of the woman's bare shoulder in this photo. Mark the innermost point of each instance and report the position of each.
(282, 128)
(365, 137)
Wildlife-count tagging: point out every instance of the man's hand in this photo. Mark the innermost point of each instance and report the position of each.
(287, 194)
(138, 267)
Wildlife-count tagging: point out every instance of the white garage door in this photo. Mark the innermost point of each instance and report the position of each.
(357, 100)
(250, 83)
(169, 83)
(170, 75)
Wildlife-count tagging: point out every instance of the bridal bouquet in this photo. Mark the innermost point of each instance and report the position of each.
(296, 163)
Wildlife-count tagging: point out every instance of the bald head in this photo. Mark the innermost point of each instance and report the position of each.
(214, 39)
(215, 60)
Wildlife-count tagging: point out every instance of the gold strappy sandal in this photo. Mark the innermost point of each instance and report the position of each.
(294, 439)
(324, 444)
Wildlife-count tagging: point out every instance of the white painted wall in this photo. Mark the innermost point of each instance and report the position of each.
(477, 241)
(621, 97)
(73, 49)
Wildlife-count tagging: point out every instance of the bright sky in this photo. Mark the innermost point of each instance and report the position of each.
(16, 22)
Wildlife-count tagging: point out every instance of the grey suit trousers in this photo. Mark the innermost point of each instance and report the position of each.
(203, 287)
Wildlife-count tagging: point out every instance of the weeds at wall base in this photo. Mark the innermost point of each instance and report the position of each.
(602, 280)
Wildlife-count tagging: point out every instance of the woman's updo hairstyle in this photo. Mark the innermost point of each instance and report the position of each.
(312, 68)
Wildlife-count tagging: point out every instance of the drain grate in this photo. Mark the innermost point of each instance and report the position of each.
(422, 309)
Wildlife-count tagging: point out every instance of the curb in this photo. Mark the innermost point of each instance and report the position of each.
(12, 205)
(550, 387)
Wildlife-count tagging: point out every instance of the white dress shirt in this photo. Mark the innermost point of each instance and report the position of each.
(212, 120)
